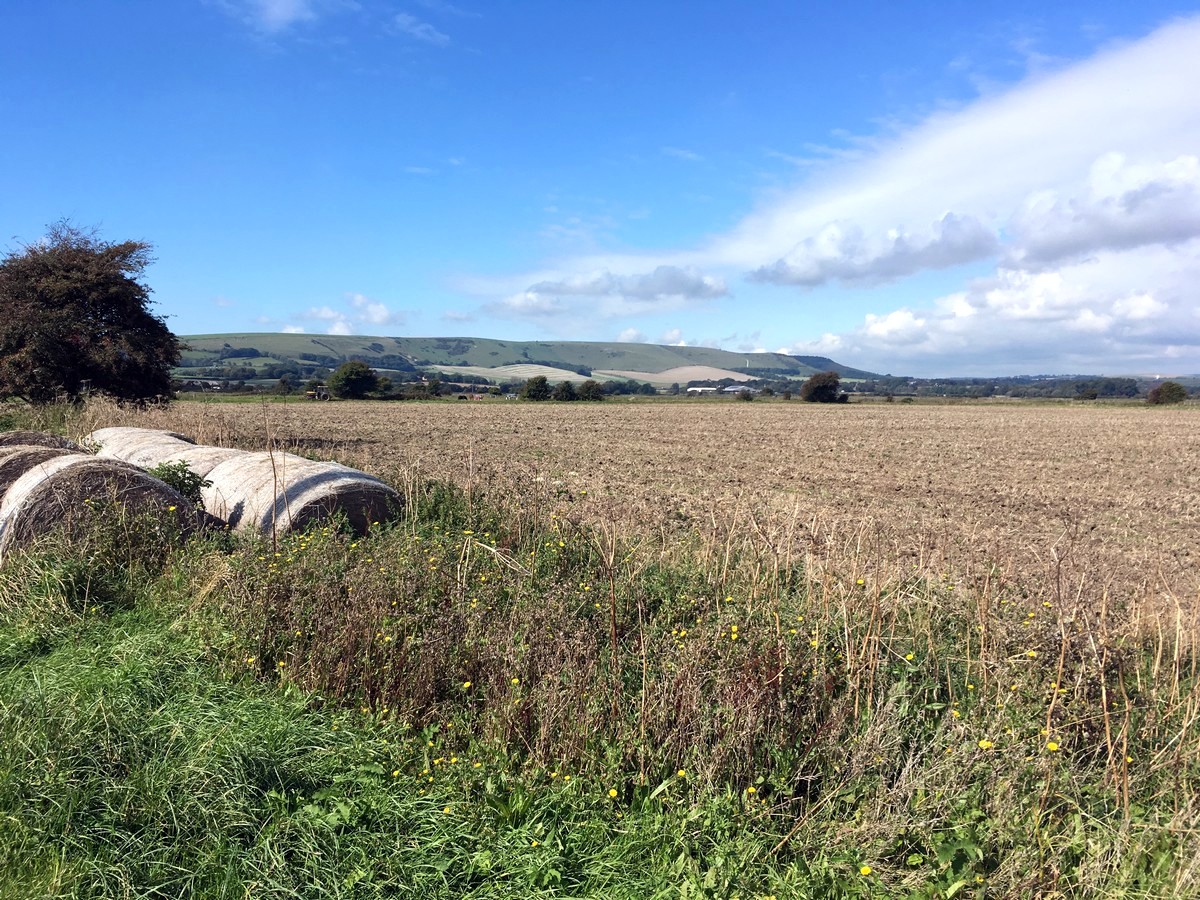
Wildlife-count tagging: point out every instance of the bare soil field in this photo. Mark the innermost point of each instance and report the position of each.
(1087, 501)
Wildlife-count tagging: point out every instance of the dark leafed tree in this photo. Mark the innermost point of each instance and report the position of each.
(1167, 392)
(536, 388)
(564, 390)
(824, 387)
(591, 390)
(353, 380)
(76, 317)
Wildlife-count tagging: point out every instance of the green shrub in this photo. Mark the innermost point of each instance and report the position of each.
(180, 477)
(1167, 392)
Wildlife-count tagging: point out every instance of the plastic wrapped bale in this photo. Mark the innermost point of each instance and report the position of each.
(35, 439)
(69, 492)
(145, 447)
(201, 459)
(15, 461)
(280, 492)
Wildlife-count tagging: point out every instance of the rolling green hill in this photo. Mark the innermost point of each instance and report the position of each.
(259, 350)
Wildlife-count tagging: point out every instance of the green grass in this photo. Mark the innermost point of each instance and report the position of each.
(488, 699)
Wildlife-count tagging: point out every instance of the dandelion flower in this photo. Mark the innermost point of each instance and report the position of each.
(985, 744)
(612, 792)
(1052, 746)
(751, 790)
(864, 871)
(681, 773)
(466, 684)
(516, 681)
(446, 810)
(910, 656)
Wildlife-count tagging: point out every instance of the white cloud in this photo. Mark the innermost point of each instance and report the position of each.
(843, 251)
(1122, 205)
(276, 16)
(631, 336)
(681, 153)
(449, 9)
(293, 329)
(454, 315)
(418, 170)
(359, 315)
(373, 312)
(605, 295)
(673, 337)
(410, 25)
(1080, 184)
(1094, 315)
(323, 313)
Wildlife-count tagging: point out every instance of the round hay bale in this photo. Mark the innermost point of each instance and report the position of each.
(202, 459)
(16, 461)
(279, 492)
(35, 439)
(57, 492)
(145, 447)
(102, 436)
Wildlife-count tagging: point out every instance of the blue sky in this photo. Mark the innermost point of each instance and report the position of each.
(949, 188)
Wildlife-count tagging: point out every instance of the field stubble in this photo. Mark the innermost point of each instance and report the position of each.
(1081, 501)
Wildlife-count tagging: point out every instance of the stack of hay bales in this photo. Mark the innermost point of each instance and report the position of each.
(267, 493)
(45, 488)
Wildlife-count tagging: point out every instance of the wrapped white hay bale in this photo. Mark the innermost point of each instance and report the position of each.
(66, 492)
(261, 492)
(148, 448)
(201, 459)
(15, 461)
(279, 492)
(144, 447)
(35, 439)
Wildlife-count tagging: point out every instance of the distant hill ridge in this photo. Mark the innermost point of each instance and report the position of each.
(417, 352)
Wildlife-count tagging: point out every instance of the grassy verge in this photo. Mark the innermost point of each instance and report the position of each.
(491, 700)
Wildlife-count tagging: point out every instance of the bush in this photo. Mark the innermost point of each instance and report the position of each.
(536, 388)
(590, 390)
(178, 476)
(77, 320)
(824, 387)
(353, 380)
(1167, 392)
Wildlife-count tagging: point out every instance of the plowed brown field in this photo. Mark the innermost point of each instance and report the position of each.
(1097, 499)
